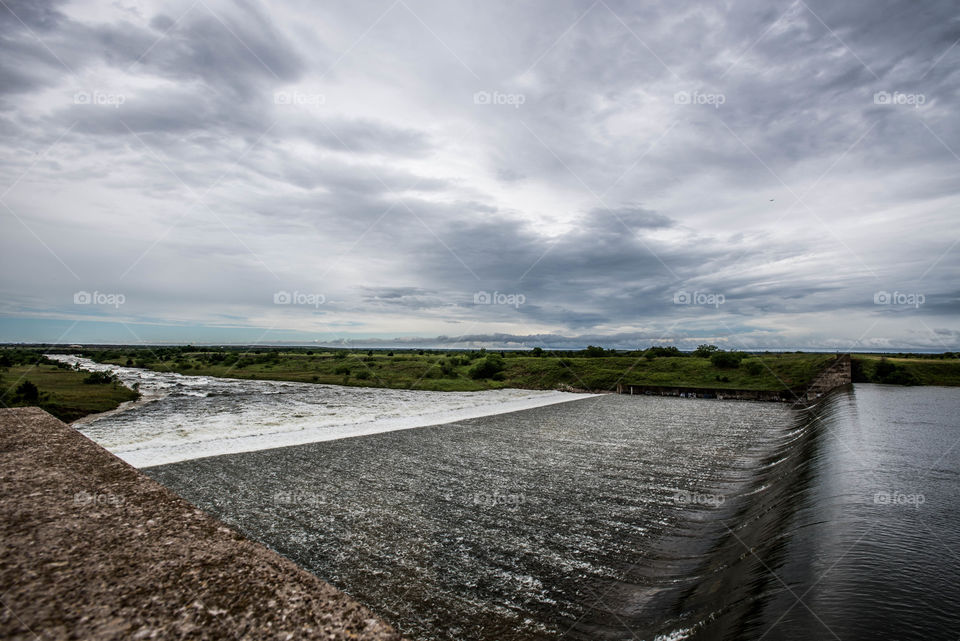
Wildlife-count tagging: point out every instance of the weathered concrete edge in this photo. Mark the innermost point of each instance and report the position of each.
(92, 548)
(836, 374)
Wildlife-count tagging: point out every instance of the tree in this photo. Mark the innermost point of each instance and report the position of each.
(28, 392)
(537, 351)
(99, 378)
(705, 351)
(488, 367)
(659, 350)
(726, 360)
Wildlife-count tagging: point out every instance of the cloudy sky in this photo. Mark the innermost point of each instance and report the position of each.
(754, 174)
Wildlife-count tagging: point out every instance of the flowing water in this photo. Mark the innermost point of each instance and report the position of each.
(612, 517)
(183, 417)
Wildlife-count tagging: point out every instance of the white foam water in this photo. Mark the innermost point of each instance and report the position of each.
(186, 417)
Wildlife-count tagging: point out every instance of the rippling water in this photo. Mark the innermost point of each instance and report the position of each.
(527, 525)
(872, 547)
(612, 517)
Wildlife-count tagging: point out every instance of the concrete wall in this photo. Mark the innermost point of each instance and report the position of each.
(93, 549)
(837, 374)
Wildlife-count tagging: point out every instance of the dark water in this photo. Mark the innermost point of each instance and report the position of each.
(626, 518)
(872, 549)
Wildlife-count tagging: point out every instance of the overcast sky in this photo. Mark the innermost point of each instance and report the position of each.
(764, 174)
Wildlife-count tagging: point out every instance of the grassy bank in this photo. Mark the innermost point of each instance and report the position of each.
(907, 369)
(593, 370)
(27, 379)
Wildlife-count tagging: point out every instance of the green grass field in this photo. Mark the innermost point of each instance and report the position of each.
(452, 371)
(62, 392)
(910, 369)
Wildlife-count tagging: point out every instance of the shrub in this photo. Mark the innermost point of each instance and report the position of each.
(99, 378)
(705, 351)
(659, 350)
(594, 351)
(488, 367)
(753, 368)
(892, 374)
(28, 392)
(448, 367)
(343, 369)
(726, 360)
(901, 376)
(884, 369)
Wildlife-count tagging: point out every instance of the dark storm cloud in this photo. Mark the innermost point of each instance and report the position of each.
(207, 155)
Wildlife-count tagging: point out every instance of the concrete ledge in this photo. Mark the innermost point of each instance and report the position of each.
(93, 549)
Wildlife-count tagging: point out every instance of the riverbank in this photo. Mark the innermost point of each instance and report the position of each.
(30, 380)
(477, 370)
(906, 369)
(92, 548)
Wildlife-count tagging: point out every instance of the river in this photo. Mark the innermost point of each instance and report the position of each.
(612, 517)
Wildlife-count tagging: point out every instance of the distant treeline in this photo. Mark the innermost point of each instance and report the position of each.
(591, 351)
(139, 356)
